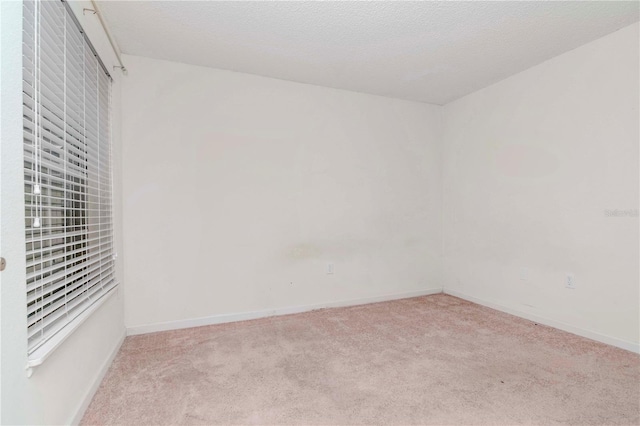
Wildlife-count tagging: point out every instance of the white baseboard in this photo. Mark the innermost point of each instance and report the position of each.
(609, 340)
(77, 418)
(224, 318)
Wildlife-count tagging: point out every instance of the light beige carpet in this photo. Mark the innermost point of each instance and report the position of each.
(427, 360)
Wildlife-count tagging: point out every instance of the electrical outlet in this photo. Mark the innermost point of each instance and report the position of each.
(329, 268)
(570, 281)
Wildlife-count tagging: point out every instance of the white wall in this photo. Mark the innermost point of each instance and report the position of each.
(59, 389)
(531, 165)
(238, 190)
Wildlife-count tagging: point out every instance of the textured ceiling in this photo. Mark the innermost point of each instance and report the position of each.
(425, 51)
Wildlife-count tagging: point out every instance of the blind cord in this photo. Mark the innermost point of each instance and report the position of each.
(36, 106)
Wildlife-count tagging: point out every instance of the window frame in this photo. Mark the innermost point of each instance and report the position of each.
(78, 266)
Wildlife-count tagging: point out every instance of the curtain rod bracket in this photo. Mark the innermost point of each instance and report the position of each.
(96, 11)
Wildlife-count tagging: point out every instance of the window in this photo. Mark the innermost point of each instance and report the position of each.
(67, 175)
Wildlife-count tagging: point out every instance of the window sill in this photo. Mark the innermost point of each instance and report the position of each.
(42, 353)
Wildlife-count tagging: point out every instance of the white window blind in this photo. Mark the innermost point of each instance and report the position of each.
(67, 174)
